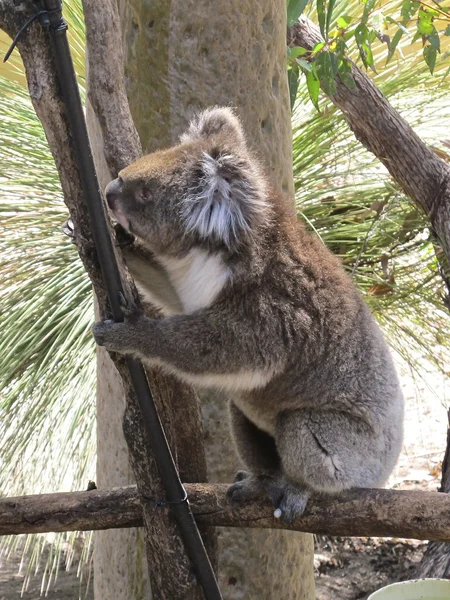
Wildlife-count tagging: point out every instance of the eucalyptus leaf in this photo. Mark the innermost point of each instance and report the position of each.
(344, 21)
(429, 54)
(295, 9)
(321, 16)
(394, 43)
(293, 81)
(313, 85)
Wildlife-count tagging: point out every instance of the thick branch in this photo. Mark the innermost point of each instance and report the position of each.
(380, 128)
(369, 512)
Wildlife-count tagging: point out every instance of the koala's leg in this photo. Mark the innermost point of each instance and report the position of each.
(258, 452)
(331, 451)
(255, 447)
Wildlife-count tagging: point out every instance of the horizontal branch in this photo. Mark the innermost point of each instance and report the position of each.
(368, 512)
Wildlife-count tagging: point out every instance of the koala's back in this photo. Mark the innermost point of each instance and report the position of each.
(337, 358)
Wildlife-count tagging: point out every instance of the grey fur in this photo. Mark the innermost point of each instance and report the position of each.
(327, 414)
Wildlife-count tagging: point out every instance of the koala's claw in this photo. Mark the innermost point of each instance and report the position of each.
(289, 500)
(241, 475)
(244, 490)
(129, 309)
(125, 305)
(292, 504)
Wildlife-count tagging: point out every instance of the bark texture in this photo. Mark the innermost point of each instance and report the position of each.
(368, 512)
(415, 167)
(181, 57)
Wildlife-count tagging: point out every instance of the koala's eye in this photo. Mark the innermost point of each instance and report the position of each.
(140, 195)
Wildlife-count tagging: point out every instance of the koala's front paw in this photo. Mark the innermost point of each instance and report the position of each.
(124, 238)
(117, 337)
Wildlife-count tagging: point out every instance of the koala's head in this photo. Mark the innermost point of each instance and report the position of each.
(208, 190)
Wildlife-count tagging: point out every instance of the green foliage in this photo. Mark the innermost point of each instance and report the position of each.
(357, 30)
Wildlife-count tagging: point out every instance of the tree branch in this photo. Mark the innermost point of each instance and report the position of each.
(364, 512)
(380, 128)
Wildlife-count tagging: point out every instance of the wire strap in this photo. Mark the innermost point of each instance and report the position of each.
(44, 22)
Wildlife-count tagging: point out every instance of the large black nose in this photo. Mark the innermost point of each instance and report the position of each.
(112, 192)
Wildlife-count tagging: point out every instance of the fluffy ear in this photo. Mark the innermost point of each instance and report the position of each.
(212, 121)
(227, 201)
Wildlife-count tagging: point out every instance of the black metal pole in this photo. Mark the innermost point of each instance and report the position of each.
(174, 489)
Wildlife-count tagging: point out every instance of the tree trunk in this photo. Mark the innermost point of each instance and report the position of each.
(436, 560)
(181, 57)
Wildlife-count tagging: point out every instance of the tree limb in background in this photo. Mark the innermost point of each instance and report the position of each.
(379, 127)
(363, 512)
(170, 570)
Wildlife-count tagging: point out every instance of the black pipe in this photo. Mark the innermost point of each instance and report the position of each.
(175, 492)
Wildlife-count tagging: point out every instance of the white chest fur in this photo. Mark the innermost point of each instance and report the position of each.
(197, 278)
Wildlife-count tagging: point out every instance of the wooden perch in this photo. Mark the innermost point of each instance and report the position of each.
(368, 512)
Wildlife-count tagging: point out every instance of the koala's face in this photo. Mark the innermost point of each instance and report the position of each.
(147, 197)
(207, 190)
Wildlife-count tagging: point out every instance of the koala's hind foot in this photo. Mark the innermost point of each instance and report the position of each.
(289, 499)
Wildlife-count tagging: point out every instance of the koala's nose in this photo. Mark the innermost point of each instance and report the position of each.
(112, 192)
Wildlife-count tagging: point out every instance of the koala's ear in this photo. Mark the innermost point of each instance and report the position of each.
(213, 121)
(227, 200)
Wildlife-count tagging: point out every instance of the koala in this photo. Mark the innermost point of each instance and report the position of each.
(255, 305)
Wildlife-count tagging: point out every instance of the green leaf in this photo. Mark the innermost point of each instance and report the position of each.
(367, 50)
(293, 77)
(424, 27)
(334, 62)
(313, 88)
(321, 15)
(296, 51)
(345, 73)
(429, 54)
(425, 23)
(324, 70)
(435, 41)
(447, 30)
(394, 43)
(330, 9)
(369, 4)
(408, 10)
(361, 33)
(304, 64)
(344, 21)
(318, 47)
(295, 8)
